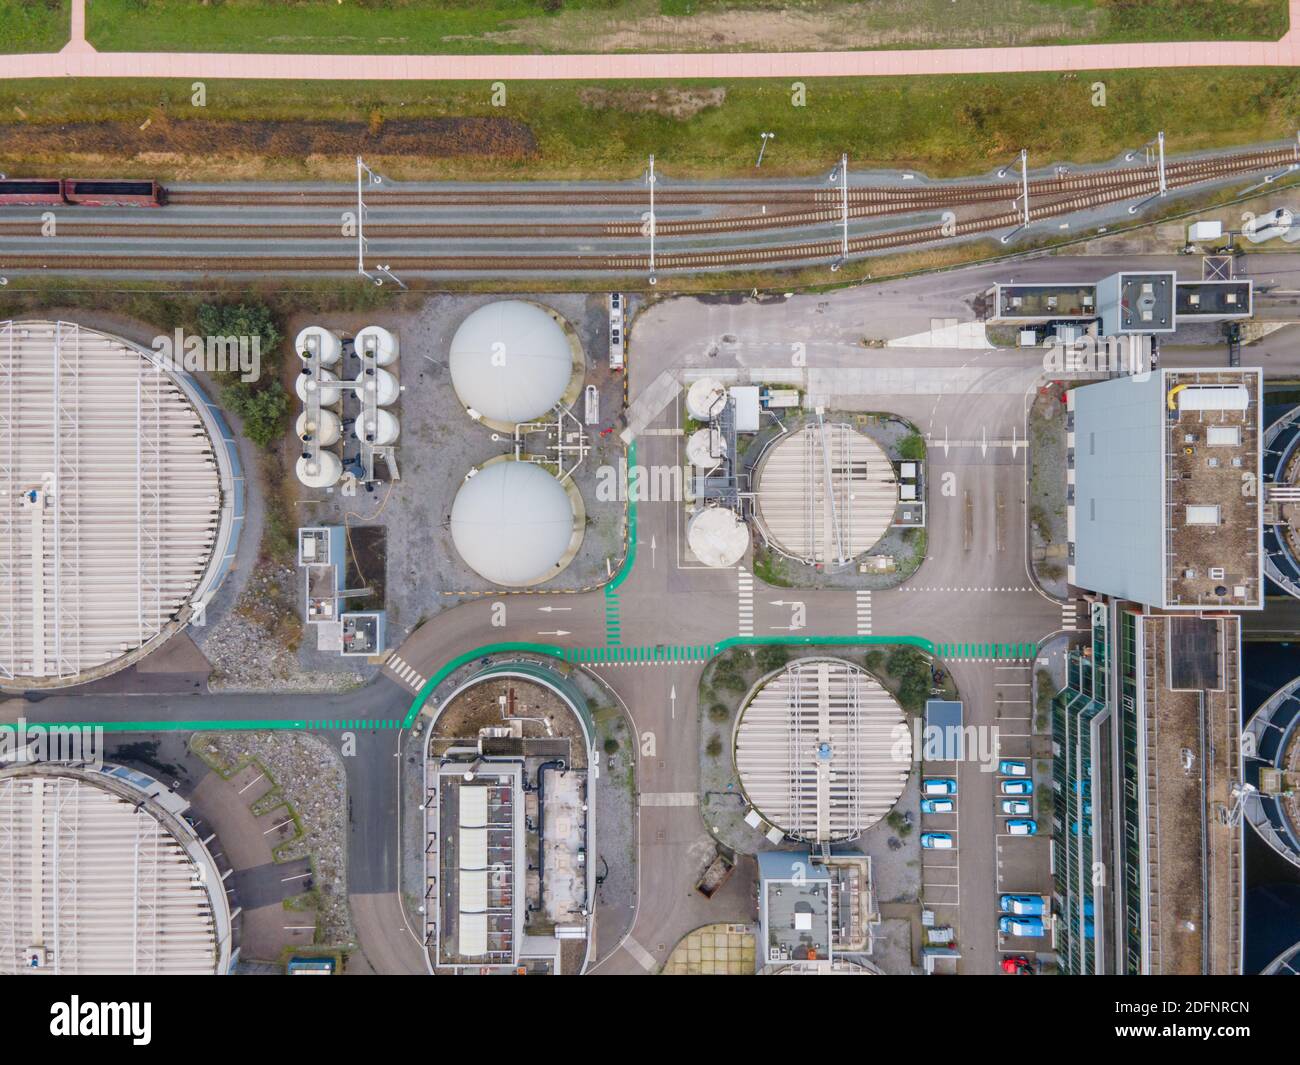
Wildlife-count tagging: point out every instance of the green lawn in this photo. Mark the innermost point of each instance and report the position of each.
(944, 126)
(33, 25)
(476, 26)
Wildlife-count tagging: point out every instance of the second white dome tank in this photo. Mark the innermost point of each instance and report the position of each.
(512, 523)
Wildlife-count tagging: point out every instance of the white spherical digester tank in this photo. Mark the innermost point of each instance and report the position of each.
(327, 386)
(320, 472)
(318, 342)
(381, 431)
(705, 399)
(700, 448)
(325, 432)
(718, 537)
(381, 383)
(379, 340)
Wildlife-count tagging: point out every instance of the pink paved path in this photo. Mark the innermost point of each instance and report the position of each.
(78, 59)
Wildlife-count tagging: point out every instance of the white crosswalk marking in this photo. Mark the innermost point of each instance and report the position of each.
(864, 613)
(745, 601)
(405, 673)
(1070, 616)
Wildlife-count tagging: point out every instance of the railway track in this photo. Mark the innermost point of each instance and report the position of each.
(1055, 197)
(924, 197)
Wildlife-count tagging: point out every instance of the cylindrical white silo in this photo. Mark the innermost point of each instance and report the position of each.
(705, 399)
(382, 383)
(329, 391)
(322, 471)
(381, 340)
(318, 342)
(382, 430)
(325, 432)
(699, 449)
(718, 537)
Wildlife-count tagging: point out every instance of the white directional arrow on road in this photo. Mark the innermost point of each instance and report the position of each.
(672, 695)
(548, 609)
(555, 632)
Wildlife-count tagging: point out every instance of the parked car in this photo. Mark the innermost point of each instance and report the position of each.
(1017, 965)
(1022, 827)
(1010, 768)
(1017, 787)
(938, 786)
(1030, 927)
(937, 806)
(936, 841)
(1023, 905)
(1016, 806)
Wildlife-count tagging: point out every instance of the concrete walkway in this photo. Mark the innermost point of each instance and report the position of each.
(78, 59)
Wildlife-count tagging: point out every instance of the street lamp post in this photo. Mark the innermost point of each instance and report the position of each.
(371, 178)
(763, 147)
(650, 180)
(1162, 186)
(1023, 198)
(842, 172)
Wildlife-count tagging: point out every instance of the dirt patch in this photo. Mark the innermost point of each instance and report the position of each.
(671, 103)
(168, 140)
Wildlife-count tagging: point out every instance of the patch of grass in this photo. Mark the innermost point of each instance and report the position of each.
(509, 26)
(770, 570)
(942, 126)
(912, 448)
(34, 25)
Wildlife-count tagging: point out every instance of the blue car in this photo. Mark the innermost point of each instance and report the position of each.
(936, 841)
(1017, 787)
(937, 806)
(1030, 927)
(1013, 769)
(1022, 827)
(1022, 905)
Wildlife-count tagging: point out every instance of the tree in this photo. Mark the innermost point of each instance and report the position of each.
(262, 410)
(771, 656)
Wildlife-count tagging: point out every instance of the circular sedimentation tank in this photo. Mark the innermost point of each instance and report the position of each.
(322, 471)
(378, 339)
(380, 431)
(327, 386)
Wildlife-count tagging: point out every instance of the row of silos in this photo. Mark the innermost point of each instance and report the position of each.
(321, 422)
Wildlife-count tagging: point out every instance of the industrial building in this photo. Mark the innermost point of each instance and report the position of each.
(508, 819)
(122, 502)
(512, 361)
(826, 494)
(1163, 488)
(1147, 795)
(1129, 302)
(323, 555)
(104, 876)
(816, 913)
(822, 750)
(515, 524)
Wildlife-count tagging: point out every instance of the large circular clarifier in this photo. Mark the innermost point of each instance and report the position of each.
(513, 524)
(718, 537)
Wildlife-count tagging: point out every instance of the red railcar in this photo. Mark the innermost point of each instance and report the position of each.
(30, 192)
(88, 192)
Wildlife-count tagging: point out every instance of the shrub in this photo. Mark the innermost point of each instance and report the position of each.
(262, 410)
(771, 656)
(714, 747)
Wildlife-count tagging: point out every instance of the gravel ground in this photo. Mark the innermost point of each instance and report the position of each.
(308, 775)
